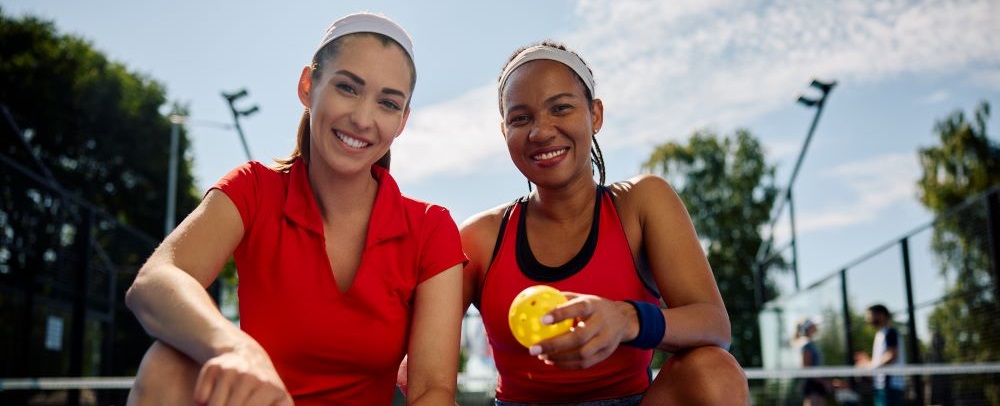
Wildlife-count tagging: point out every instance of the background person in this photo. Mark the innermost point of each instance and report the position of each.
(887, 350)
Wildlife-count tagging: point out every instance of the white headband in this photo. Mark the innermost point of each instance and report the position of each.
(555, 54)
(366, 22)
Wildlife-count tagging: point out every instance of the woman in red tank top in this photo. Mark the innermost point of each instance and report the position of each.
(550, 122)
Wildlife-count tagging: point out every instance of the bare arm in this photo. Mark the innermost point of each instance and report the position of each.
(168, 295)
(887, 357)
(479, 235)
(169, 299)
(655, 220)
(434, 340)
(695, 314)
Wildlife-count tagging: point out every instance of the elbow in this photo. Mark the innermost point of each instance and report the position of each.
(724, 336)
(437, 394)
(137, 296)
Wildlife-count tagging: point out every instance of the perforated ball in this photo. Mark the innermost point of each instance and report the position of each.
(527, 309)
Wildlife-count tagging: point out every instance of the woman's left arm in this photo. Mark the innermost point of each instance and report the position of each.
(432, 360)
(695, 314)
(655, 221)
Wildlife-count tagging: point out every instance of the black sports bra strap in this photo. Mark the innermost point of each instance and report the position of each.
(503, 226)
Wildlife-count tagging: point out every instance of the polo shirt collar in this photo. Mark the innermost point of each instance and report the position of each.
(389, 214)
(388, 219)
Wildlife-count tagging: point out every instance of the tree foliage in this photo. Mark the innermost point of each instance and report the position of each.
(961, 167)
(728, 189)
(96, 125)
(966, 163)
(76, 125)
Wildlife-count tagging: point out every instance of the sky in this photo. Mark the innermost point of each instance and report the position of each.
(663, 69)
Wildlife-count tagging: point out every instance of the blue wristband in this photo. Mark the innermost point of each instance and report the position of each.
(652, 325)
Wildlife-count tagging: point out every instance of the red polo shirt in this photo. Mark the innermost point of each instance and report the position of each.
(331, 347)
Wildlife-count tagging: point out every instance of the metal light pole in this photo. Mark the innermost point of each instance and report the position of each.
(176, 121)
(765, 254)
(231, 97)
(175, 133)
(824, 89)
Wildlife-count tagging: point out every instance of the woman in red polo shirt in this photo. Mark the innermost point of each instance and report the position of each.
(613, 250)
(340, 275)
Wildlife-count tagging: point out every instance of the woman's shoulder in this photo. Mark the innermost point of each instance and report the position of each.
(486, 221)
(422, 208)
(252, 171)
(479, 233)
(641, 191)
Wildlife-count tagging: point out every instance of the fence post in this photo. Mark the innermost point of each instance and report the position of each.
(79, 326)
(912, 341)
(848, 341)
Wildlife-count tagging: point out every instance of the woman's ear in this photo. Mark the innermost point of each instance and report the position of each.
(503, 130)
(305, 86)
(597, 114)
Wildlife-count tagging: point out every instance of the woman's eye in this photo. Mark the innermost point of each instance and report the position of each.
(344, 87)
(391, 105)
(561, 108)
(517, 120)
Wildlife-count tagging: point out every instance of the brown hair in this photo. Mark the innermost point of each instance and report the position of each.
(324, 55)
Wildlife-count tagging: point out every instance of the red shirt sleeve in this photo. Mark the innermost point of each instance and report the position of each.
(240, 185)
(442, 244)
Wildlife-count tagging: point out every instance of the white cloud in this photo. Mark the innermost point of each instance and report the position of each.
(669, 67)
(877, 184)
(665, 69)
(455, 137)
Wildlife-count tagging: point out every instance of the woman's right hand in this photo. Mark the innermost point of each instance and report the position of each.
(243, 376)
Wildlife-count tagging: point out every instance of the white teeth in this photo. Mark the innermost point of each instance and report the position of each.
(549, 155)
(351, 142)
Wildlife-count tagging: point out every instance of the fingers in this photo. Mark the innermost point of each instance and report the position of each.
(581, 348)
(221, 387)
(267, 396)
(285, 401)
(576, 307)
(205, 384)
(597, 333)
(218, 385)
(243, 391)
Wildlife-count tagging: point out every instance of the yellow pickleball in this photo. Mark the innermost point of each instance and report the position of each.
(527, 309)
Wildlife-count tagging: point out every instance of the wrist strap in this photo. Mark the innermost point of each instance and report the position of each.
(652, 325)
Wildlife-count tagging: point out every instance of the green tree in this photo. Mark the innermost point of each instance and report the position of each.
(97, 131)
(728, 189)
(964, 164)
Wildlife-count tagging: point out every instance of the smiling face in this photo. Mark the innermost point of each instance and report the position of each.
(358, 103)
(548, 123)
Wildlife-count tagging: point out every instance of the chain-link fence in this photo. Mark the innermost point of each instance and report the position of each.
(940, 284)
(64, 266)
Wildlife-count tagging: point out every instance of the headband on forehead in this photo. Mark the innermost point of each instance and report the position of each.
(555, 54)
(366, 22)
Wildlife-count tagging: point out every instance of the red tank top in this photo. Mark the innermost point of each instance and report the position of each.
(603, 267)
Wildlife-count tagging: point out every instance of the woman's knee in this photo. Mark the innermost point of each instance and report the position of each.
(166, 377)
(702, 376)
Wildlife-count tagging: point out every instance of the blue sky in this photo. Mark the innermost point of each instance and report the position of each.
(664, 70)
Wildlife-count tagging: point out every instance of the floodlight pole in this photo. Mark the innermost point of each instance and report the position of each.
(764, 252)
(825, 89)
(231, 97)
(175, 132)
